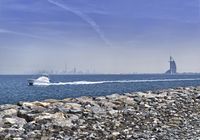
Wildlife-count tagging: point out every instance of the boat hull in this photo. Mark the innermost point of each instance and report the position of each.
(31, 82)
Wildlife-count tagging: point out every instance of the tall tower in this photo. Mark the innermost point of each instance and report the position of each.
(172, 69)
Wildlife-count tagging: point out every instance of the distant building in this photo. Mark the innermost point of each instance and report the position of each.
(173, 69)
(74, 71)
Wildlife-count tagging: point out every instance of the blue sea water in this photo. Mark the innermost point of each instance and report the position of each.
(14, 88)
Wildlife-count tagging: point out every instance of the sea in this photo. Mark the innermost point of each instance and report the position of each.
(14, 88)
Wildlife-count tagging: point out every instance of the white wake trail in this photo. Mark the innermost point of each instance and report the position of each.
(85, 18)
(116, 81)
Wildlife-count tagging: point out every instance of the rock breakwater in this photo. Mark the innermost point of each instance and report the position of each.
(164, 114)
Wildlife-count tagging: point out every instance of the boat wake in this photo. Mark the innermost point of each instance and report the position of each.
(116, 81)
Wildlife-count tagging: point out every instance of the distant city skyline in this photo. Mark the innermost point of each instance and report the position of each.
(129, 36)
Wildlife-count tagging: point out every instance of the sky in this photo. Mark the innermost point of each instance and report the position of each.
(101, 36)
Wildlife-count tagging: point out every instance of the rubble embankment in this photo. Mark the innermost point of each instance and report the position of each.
(163, 114)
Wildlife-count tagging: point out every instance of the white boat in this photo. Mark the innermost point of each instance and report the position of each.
(41, 80)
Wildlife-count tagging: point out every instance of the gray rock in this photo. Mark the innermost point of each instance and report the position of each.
(57, 119)
(27, 115)
(72, 108)
(9, 112)
(18, 122)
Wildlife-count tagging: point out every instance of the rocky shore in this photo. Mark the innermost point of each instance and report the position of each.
(165, 114)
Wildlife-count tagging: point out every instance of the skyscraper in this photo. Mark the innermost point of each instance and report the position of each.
(173, 68)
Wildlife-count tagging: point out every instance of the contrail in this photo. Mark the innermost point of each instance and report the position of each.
(19, 33)
(84, 17)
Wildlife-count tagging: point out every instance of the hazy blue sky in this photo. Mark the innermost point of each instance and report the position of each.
(108, 36)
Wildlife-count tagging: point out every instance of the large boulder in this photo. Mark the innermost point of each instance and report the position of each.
(13, 121)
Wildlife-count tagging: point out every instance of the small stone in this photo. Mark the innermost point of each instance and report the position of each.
(115, 133)
(113, 112)
(17, 138)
